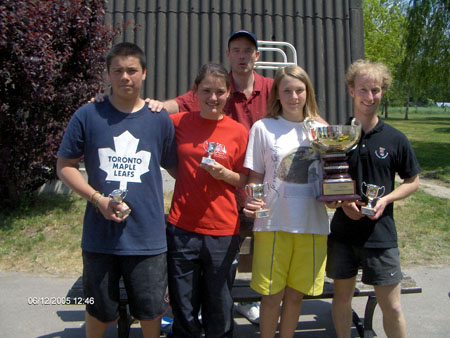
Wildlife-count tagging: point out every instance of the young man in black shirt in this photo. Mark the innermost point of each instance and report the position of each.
(370, 241)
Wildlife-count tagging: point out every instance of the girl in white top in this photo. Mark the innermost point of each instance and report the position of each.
(290, 245)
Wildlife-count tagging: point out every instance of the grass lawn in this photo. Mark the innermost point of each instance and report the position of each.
(429, 133)
(45, 237)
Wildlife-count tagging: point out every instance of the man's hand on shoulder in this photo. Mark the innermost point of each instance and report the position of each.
(154, 105)
(171, 106)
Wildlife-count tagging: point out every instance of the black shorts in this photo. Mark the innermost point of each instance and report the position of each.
(145, 279)
(380, 266)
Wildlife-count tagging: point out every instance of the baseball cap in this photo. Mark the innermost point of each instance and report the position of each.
(244, 33)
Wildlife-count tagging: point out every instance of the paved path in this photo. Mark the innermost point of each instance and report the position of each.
(434, 188)
(427, 314)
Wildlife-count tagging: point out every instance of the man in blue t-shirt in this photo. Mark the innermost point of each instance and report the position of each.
(124, 145)
(366, 240)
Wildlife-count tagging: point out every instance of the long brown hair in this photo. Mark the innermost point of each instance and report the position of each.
(274, 108)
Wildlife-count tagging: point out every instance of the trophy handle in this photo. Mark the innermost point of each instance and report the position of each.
(248, 190)
(363, 184)
(381, 189)
(356, 124)
(308, 126)
(308, 121)
(266, 188)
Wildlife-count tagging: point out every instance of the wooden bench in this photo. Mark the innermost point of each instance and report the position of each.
(243, 293)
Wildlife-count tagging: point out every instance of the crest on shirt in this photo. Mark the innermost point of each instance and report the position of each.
(220, 150)
(381, 153)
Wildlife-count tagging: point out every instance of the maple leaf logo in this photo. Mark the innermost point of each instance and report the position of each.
(124, 165)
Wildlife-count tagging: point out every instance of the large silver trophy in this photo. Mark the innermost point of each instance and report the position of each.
(258, 192)
(333, 142)
(118, 195)
(373, 193)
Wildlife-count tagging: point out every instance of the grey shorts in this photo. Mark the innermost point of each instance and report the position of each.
(145, 279)
(380, 266)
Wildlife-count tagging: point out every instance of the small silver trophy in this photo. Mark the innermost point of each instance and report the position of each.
(118, 195)
(372, 192)
(210, 150)
(258, 192)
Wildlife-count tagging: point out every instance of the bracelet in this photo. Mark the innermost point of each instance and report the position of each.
(92, 195)
(96, 201)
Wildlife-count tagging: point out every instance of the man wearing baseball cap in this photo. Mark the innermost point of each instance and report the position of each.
(247, 102)
(242, 32)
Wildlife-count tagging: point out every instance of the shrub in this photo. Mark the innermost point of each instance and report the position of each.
(51, 62)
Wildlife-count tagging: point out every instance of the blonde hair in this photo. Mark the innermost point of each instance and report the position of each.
(375, 70)
(274, 108)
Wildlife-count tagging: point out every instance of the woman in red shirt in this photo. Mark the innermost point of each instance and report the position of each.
(203, 223)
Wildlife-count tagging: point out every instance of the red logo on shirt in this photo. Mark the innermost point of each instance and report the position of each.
(220, 150)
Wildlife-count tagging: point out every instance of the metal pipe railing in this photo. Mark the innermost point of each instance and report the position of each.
(276, 64)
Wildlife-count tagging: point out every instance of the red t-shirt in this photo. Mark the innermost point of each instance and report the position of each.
(201, 203)
(238, 107)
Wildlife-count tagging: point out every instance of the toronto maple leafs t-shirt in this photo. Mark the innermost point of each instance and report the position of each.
(123, 151)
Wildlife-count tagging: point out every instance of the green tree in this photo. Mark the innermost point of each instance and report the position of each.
(384, 23)
(383, 32)
(426, 66)
(51, 62)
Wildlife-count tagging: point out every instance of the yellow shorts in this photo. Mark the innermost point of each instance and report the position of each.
(283, 259)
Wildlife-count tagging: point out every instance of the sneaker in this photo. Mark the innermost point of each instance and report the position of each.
(166, 326)
(249, 311)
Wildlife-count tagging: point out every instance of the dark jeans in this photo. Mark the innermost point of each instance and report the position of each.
(199, 277)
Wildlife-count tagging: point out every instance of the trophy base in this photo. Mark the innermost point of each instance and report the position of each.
(367, 211)
(338, 187)
(262, 213)
(123, 213)
(207, 160)
(335, 198)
